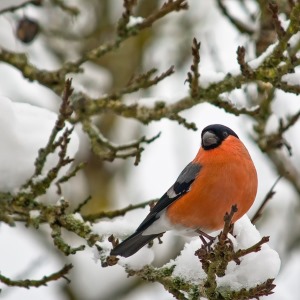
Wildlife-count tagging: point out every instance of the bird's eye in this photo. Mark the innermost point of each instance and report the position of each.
(225, 134)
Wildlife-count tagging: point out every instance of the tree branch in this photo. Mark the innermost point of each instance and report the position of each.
(28, 283)
(117, 213)
(265, 201)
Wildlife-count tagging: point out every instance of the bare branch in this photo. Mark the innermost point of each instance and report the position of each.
(265, 201)
(117, 213)
(53, 144)
(240, 26)
(109, 151)
(194, 75)
(254, 248)
(273, 7)
(82, 204)
(28, 283)
(245, 68)
(142, 81)
(168, 7)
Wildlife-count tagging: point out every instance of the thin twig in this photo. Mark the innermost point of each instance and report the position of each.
(194, 75)
(27, 283)
(117, 213)
(82, 204)
(106, 150)
(240, 26)
(265, 201)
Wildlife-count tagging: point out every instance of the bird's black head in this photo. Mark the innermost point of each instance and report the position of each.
(213, 135)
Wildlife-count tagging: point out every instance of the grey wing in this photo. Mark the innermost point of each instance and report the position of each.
(137, 240)
(181, 186)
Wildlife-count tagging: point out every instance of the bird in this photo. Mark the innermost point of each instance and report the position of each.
(221, 175)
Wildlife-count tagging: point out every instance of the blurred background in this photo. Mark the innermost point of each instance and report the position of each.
(59, 35)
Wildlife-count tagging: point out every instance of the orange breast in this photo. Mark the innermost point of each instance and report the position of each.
(227, 177)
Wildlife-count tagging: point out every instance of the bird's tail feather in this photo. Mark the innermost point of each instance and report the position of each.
(132, 244)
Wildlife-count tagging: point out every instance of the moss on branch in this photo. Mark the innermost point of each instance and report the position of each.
(28, 283)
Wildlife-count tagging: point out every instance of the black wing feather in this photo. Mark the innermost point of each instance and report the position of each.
(179, 188)
(182, 185)
(132, 244)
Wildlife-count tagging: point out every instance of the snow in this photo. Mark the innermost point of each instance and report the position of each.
(255, 63)
(136, 262)
(188, 266)
(289, 278)
(292, 78)
(210, 77)
(93, 81)
(77, 216)
(34, 214)
(161, 161)
(272, 124)
(133, 21)
(121, 227)
(255, 268)
(24, 130)
(23, 256)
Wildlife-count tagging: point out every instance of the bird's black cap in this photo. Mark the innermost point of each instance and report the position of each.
(213, 135)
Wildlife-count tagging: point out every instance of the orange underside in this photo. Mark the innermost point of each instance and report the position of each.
(227, 177)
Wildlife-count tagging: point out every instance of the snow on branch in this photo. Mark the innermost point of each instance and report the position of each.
(237, 265)
(231, 267)
(18, 203)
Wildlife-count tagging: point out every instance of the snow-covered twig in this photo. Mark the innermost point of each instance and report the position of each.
(219, 262)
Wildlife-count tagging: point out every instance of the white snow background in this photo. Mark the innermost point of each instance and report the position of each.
(161, 163)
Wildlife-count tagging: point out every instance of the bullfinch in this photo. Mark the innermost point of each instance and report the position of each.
(221, 175)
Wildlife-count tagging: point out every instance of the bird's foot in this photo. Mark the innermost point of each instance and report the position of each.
(206, 239)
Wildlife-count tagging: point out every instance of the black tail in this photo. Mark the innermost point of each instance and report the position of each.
(132, 244)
